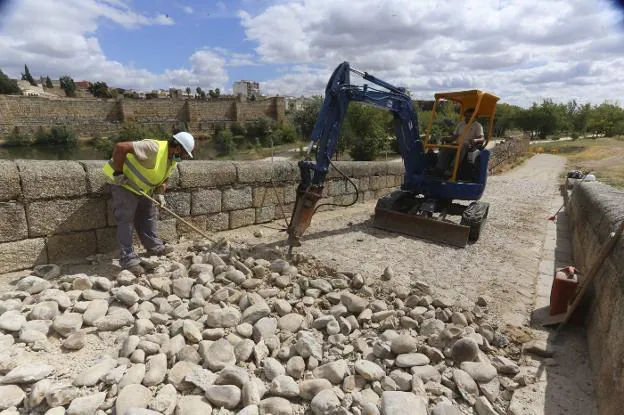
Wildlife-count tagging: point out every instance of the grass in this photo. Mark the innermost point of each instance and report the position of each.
(604, 157)
(207, 151)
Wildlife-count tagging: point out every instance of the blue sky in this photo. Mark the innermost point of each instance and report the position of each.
(521, 50)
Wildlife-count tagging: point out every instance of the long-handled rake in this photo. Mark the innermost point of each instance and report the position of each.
(553, 217)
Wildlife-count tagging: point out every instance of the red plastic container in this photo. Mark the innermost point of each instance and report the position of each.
(564, 285)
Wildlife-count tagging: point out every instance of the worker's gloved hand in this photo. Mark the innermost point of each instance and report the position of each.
(120, 180)
(161, 200)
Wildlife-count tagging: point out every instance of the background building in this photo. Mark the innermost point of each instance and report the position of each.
(246, 89)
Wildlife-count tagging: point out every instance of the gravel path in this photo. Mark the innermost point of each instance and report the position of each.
(502, 264)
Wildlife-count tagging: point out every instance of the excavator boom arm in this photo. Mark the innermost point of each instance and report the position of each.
(338, 94)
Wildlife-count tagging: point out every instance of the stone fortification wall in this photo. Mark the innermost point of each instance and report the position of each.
(510, 149)
(594, 211)
(57, 211)
(102, 117)
(85, 116)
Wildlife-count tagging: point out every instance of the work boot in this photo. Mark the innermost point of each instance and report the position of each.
(163, 250)
(136, 270)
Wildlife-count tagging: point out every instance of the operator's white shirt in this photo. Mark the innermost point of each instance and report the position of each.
(475, 131)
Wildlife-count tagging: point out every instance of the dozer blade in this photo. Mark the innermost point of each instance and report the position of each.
(421, 227)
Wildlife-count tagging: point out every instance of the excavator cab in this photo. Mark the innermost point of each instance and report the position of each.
(428, 214)
(469, 165)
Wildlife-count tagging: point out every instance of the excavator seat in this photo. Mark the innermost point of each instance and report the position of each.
(468, 171)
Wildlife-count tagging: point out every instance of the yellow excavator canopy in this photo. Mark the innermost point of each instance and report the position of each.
(469, 99)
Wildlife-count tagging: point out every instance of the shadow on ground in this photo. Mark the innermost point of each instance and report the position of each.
(567, 375)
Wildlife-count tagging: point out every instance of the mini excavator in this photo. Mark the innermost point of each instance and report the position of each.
(426, 203)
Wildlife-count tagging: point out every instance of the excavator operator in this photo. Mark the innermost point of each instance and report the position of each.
(473, 137)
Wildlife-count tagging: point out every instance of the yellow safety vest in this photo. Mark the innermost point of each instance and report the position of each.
(140, 178)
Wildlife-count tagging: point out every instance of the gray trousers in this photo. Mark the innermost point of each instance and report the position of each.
(131, 210)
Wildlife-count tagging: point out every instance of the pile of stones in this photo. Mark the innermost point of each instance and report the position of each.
(215, 330)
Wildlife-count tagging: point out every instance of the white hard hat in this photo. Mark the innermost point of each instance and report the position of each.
(186, 140)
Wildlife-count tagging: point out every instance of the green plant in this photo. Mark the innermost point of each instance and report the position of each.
(18, 139)
(48, 82)
(26, 76)
(259, 131)
(305, 119)
(100, 90)
(288, 133)
(201, 94)
(365, 149)
(8, 85)
(58, 135)
(104, 144)
(238, 129)
(224, 142)
(68, 85)
(131, 131)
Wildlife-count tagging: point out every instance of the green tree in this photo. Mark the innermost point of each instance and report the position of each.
(100, 90)
(224, 142)
(258, 130)
(48, 82)
(26, 76)
(346, 139)
(277, 136)
(305, 119)
(238, 129)
(371, 129)
(580, 118)
(444, 123)
(606, 119)
(188, 91)
(18, 139)
(217, 92)
(505, 119)
(8, 85)
(200, 93)
(56, 136)
(68, 85)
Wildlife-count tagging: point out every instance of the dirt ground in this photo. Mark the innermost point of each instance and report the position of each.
(502, 265)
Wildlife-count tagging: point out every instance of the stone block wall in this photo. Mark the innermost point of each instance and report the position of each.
(85, 116)
(594, 211)
(60, 211)
(92, 116)
(511, 149)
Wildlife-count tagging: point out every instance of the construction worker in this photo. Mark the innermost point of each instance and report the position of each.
(142, 167)
(474, 136)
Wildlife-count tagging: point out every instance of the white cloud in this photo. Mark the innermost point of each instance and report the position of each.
(523, 51)
(188, 9)
(63, 40)
(207, 70)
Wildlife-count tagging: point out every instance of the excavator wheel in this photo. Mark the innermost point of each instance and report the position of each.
(474, 217)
